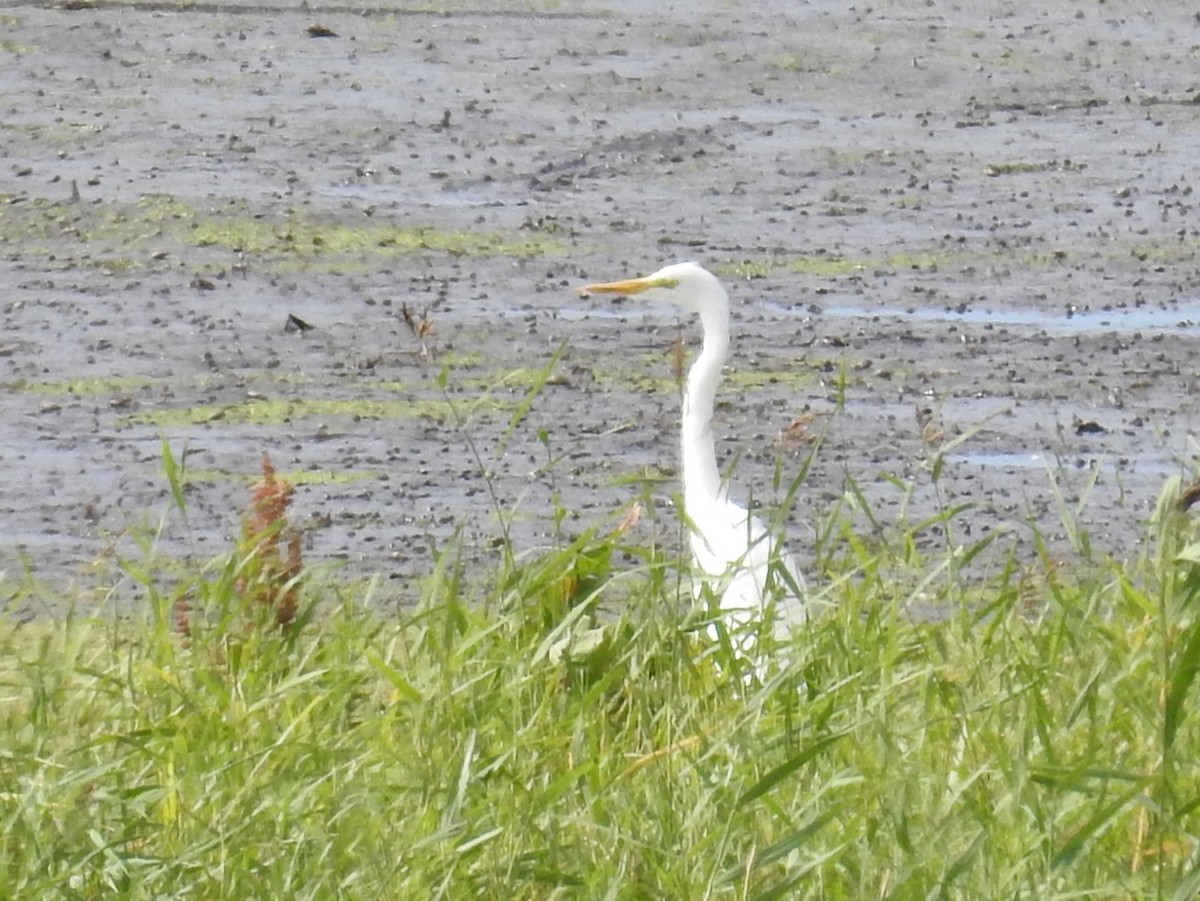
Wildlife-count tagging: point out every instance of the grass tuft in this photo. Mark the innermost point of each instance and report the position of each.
(563, 727)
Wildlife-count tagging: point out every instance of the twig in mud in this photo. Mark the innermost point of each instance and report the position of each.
(679, 360)
(422, 328)
(1189, 496)
(795, 436)
(631, 518)
(930, 425)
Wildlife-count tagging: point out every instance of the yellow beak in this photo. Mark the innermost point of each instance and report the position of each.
(628, 286)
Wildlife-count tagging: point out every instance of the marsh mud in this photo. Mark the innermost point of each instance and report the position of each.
(965, 230)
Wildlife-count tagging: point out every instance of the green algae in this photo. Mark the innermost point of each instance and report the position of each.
(304, 477)
(798, 376)
(277, 412)
(111, 385)
(829, 266)
(309, 238)
(83, 387)
(823, 266)
(124, 237)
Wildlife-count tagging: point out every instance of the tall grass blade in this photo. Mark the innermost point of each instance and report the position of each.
(785, 769)
(1184, 668)
(1073, 849)
(961, 864)
(175, 476)
(780, 849)
(389, 672)
(541, 379)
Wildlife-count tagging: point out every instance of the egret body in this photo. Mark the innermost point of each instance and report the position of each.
(732, 549)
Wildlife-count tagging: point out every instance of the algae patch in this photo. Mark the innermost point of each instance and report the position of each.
(126, 236)
(308, 238)
(305, 477)
(931, 260)
(277, 412)
(752, 379)
(82, 387)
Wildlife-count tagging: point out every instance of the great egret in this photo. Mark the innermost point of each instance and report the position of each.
(733, 550)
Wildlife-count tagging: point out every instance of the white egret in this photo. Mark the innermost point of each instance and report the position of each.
(733, 550)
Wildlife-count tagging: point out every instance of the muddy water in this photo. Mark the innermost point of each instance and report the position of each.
(982, 210)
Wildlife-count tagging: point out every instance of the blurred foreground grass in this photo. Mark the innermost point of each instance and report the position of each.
(563, 727)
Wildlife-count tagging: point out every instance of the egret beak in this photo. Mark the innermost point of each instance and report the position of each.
(627, 287)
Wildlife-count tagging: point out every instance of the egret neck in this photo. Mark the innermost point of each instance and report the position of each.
(701, 478)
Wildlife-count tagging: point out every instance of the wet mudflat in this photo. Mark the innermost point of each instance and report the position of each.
(937, 222)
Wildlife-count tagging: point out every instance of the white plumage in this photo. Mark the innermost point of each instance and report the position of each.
(732, 549)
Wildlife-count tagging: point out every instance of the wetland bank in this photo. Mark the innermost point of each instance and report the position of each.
(937, 222)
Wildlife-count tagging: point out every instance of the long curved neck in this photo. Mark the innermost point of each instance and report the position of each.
(701, 479)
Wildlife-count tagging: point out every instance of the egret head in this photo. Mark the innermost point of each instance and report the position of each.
(687, 285)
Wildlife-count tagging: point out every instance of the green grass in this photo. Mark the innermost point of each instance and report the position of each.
(560, 725)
